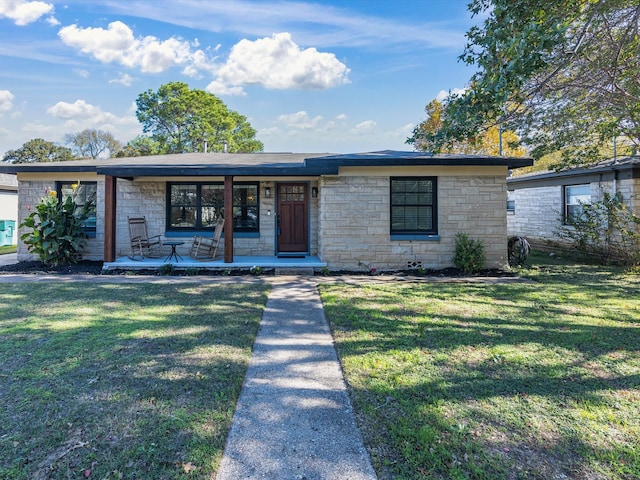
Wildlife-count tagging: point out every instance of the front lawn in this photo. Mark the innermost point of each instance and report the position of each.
(121, 381)
(4, 249)
(504, 381)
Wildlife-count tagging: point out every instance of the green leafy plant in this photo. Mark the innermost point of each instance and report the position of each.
(518, 249)
(607, 230)
(255, 270)
(166, 269)
(469, 254)
(57, 234)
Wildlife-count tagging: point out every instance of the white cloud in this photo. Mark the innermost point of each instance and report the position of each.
(279, 63)
(300, 120)
(6, 100)
(81, 73)
(365, 127)
(219, 88)
(117, 44)
(443, 94)
(341, 117)
(23, 12)
(124, 79)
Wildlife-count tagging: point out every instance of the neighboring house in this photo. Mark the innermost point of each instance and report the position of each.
(8, 209)
(386, 210)
(538, 203)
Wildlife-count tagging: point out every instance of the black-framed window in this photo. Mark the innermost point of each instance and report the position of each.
(575, 197)
(414, 206)
(82, 193)
(198, 206)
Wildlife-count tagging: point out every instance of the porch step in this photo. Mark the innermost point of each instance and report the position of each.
(308, 271)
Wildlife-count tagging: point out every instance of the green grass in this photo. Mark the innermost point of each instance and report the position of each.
(8, 249)
(121, 381)
(504, 381)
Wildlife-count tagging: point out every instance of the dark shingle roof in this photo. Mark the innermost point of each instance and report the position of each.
(267, 164)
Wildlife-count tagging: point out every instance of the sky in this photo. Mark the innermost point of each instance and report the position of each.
(325, 76)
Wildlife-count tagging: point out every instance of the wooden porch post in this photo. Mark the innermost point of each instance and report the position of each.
(228, 219)
(109, 218)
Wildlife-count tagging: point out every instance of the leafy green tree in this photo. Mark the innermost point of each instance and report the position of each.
(141, 146)
(564, 74)
(92, 143)
(38, 150)
(486, 142)
(183, 120)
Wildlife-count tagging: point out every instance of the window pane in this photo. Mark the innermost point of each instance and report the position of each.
(200, 205)
(578, 194)
(412, 205)
(82, 193)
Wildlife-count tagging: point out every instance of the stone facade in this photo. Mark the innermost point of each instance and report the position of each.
(30, 193)
(143, 198)
(349, 220)
(538, 209)
(358, 237)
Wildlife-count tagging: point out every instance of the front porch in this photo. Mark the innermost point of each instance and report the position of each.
(305, 264)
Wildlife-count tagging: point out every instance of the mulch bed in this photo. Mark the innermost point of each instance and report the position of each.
(86, 267)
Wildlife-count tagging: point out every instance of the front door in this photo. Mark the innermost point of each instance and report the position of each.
(293, 218)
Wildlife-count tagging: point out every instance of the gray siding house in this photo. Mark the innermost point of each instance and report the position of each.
(387, 210)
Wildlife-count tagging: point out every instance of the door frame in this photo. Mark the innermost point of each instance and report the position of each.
(307, 213)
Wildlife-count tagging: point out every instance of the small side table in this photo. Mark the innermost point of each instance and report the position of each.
(173, 253)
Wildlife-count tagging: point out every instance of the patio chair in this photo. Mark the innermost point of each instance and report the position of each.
(205, 248)
(142, 245)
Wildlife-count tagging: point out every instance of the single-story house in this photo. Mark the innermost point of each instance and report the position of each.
(387, 210)
(538, 203)
(8, 209)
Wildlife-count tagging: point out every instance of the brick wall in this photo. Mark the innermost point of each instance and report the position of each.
(354, 215)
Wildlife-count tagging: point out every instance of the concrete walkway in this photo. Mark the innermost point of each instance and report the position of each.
(294, 420)
(8, 259)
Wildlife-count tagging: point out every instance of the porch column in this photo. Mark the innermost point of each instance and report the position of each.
(228, 219)
(109, 218)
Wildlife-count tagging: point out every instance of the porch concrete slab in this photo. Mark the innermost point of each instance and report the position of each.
(239, 262)
(294, 419)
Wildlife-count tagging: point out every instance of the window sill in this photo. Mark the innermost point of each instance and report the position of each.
(419, 238)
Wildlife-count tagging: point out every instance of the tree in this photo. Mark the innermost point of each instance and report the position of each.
(487, 142)
(184, 120)
(565, 75)
(141, 146)
(38, 150)
(92, 143)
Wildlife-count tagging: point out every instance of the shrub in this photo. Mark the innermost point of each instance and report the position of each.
(57, 235)
(518, 248)
(469, 254)
(255, 270)
(607, 230)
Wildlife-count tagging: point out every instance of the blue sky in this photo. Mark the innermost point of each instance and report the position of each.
(324, 76)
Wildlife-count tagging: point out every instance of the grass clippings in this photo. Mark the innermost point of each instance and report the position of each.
(496, 381)
(121, 381)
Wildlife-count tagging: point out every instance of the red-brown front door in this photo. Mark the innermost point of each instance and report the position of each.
(293, 215)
